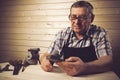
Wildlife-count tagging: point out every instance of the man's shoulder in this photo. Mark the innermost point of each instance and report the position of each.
(65, 31)
(96, 29)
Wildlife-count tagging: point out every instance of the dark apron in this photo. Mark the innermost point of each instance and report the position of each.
(86, 54)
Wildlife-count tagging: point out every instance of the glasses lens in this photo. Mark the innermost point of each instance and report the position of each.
(74, 17)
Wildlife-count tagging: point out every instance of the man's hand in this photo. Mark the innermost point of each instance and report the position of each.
(72, 66)
(45, 64)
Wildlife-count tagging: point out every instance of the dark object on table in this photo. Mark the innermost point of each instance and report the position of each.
(17, 64)
(55, 58)
(6, 68)
(32, 58)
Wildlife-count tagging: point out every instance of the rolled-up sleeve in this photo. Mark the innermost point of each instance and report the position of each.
(56, 45)
(103, 46)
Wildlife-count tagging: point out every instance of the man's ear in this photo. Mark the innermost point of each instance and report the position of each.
(92, 18)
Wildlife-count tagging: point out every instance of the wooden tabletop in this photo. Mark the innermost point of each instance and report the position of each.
(34, 72)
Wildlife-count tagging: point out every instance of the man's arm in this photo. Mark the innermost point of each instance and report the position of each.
(75, 66)
(45, 63)
(101, 65)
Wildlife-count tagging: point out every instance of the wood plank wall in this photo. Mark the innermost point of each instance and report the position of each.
(30, 23)
(33, 23)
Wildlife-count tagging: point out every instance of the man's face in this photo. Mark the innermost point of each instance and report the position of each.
(80, 19)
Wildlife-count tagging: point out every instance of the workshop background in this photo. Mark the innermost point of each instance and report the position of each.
(28, 24)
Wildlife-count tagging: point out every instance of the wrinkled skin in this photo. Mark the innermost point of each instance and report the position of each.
(72, 66)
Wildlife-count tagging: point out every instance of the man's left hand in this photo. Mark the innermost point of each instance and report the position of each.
(72, 66)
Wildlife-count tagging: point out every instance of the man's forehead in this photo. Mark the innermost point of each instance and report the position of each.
(79, 10)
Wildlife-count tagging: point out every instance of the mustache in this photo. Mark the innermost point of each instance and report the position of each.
(78, 24)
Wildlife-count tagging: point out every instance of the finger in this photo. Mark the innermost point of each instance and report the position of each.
(62, 63)
(65, 68)
(72, 59)
(48, 67)
(66, 65)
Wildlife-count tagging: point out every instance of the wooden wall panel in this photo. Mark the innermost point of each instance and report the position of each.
(27, 37)
(57, 12)
(56, 18)
(17, 49)
(34, 25)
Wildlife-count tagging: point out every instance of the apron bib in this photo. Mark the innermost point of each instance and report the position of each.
(86, 54)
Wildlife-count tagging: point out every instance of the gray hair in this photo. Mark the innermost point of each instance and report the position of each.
(83, 4)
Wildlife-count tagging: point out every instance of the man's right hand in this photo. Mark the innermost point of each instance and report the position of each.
(45, 63)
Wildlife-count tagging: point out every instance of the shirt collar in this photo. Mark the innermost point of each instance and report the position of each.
(87, 34)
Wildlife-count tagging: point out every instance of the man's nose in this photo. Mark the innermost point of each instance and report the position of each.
(77, 21)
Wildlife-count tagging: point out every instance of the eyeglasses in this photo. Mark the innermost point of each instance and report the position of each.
(81, 18)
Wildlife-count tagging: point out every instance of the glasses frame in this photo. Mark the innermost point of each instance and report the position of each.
(81, 17)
